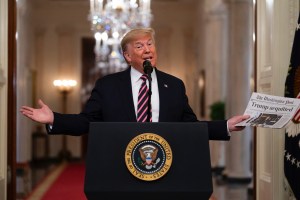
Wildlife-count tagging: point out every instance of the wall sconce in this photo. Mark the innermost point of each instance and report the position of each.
(64, 87)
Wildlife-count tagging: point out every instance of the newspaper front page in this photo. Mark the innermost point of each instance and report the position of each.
(269, 111)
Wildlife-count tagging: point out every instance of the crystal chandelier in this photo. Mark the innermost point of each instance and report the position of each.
(110, 20)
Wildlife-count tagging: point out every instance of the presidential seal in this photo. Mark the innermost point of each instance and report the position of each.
(148, 156)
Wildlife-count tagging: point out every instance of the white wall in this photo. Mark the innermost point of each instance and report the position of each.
(48, 49)
(275, 29)
(3, 97)
(174, 24)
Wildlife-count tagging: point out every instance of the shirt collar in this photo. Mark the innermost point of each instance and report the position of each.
(136, 75)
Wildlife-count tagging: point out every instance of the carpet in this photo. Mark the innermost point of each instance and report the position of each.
(69, 185)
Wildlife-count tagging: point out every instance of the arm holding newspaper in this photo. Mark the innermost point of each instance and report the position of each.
(231, 123)
(269, 111)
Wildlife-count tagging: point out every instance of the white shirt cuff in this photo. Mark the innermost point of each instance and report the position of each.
(228, 132)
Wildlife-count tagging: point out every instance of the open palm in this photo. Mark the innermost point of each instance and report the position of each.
(43, 114)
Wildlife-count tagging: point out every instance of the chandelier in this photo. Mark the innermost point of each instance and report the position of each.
(110, 20)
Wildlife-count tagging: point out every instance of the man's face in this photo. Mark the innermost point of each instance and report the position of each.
(139, 50)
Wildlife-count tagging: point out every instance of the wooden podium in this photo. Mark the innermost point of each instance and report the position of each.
(107, 176)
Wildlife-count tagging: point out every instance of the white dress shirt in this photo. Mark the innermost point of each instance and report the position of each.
(136, 82)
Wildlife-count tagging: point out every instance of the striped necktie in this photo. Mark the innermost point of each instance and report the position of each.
(143, 101)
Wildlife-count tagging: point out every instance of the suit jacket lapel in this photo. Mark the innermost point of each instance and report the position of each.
(163, 96)
(126, 95)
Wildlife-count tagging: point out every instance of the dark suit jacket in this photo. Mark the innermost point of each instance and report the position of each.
(111, 101)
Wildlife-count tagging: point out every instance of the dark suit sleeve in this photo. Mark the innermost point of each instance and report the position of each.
(78, 124)
(217, 129)
(69, 124)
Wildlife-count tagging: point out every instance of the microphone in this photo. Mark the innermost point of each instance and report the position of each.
(148, 70)
(147, 67)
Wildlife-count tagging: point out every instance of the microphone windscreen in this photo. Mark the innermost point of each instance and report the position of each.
(147, 67)
(147, 63)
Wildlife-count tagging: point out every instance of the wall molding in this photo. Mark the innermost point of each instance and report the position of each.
(2, 78)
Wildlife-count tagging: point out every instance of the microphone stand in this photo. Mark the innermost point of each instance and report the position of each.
(149, 94)
(148, 70)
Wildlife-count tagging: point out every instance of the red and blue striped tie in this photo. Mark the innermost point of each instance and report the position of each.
(143, 101)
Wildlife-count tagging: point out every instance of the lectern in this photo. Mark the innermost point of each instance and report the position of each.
(108, 174)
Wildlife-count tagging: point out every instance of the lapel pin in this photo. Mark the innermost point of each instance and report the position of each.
(165, 85)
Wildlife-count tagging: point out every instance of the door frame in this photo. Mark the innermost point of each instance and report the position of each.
(11, 101)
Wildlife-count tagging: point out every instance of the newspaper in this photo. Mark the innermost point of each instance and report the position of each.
(269, 111)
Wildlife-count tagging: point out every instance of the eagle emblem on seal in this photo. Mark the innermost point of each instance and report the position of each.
(148, 155)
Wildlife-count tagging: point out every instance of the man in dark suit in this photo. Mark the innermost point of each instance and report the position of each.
(115, 97)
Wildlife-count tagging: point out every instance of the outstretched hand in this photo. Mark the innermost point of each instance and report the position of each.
(43, 114)
(235, 120)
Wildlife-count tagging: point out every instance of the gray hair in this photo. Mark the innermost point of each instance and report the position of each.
(133, 34)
